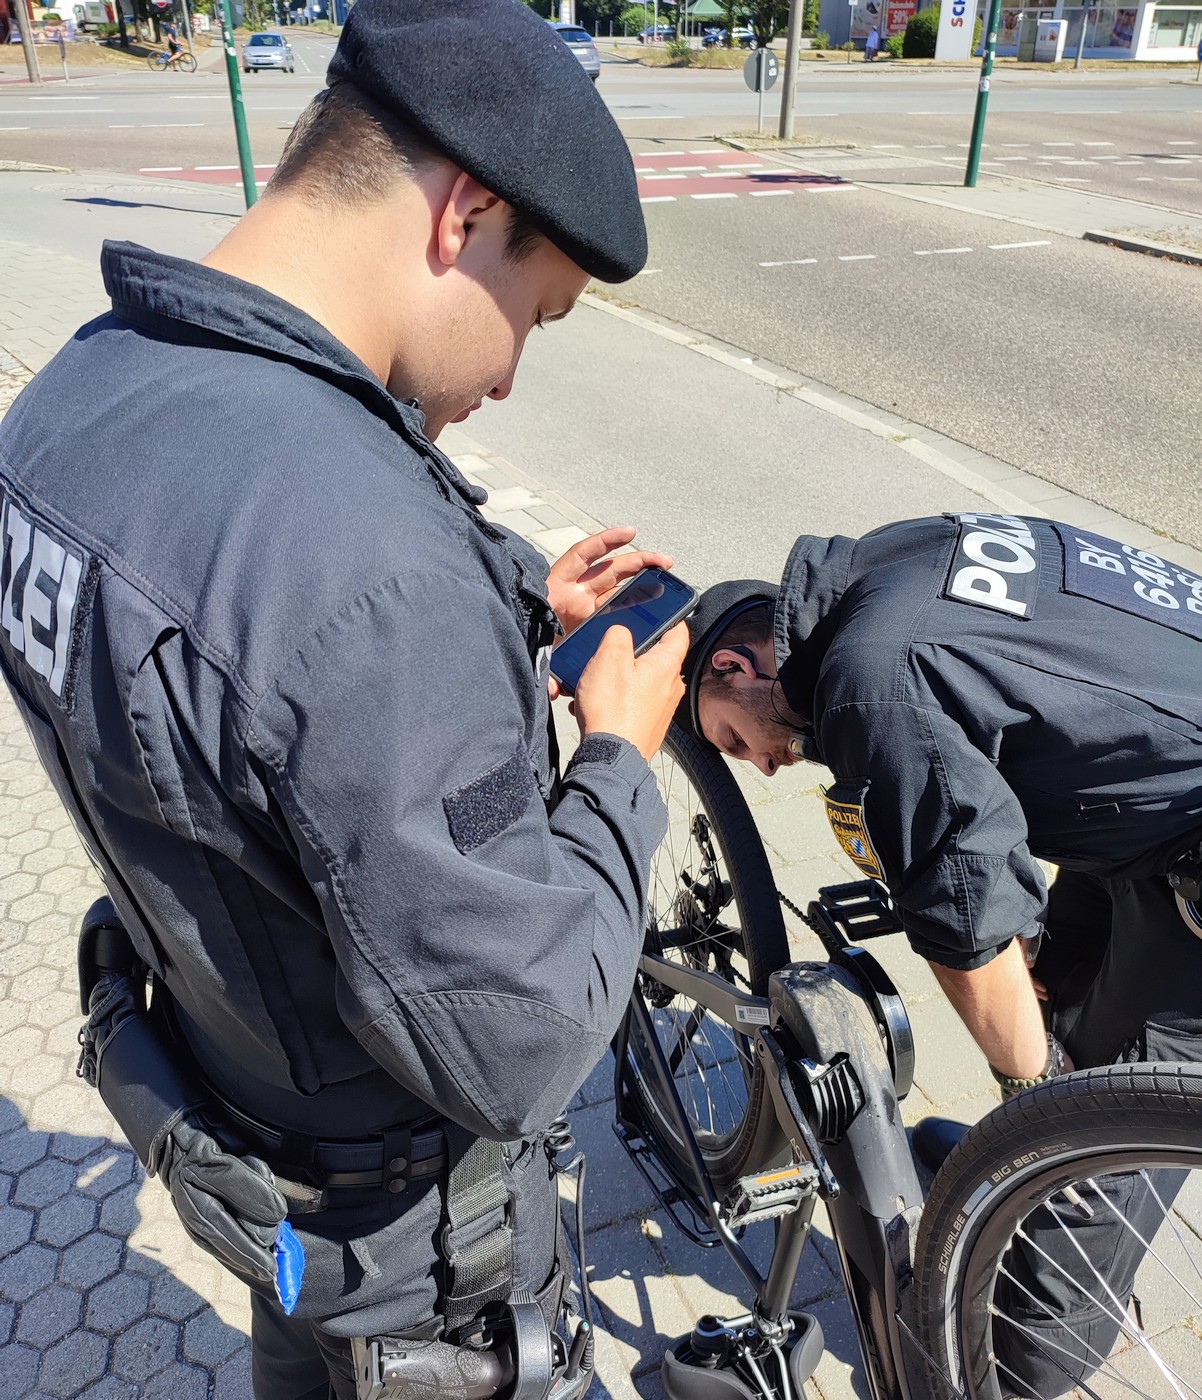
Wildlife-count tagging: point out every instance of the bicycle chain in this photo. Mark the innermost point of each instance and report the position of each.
(796, 909)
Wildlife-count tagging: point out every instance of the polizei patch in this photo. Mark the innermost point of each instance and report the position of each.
(847, 822)
(39, 588)
(995, 564)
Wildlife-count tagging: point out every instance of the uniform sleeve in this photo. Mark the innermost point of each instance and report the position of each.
(946, 831)
(485, 950)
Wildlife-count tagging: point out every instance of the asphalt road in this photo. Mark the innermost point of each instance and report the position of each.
(1136, 135)
(1073, 361)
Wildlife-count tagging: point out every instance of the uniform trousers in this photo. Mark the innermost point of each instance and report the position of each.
(1124, 977)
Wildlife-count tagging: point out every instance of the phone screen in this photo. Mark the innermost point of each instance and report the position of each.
(647, 607)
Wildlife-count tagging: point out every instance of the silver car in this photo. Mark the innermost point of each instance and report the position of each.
(580, 41)
(267, 51)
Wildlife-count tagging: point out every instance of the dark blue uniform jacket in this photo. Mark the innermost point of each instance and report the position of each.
(265, 639)
(986, 690)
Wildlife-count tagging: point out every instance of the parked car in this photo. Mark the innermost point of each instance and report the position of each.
(580, 41)
(267, 51)
(656, 32)
(716, 38)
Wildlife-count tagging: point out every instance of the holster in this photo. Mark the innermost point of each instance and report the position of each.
(125, 1053)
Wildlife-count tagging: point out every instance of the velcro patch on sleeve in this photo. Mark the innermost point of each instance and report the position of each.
(489, 804)
(847, 822)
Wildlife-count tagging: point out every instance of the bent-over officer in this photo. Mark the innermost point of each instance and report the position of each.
(986, 690)
(293, 687)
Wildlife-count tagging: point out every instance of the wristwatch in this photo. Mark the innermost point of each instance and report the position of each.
(1053, 1067)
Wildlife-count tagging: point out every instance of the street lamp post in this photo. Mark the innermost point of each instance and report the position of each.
(1085, 8)
(793, 42)
(978, 119)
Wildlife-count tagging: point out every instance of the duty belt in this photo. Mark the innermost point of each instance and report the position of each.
(307, 1167)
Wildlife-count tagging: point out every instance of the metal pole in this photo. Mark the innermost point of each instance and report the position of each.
(187, 23)
(759, 85)
(978, 118)
(26, 28)
(793, 44)
(1081, 36)
(62, 54)
(231, 72)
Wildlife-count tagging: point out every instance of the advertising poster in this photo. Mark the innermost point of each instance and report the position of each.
(900, 12)
(865, 17)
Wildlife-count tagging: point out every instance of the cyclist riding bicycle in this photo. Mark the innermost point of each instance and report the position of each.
(174, 47)
(989, 690)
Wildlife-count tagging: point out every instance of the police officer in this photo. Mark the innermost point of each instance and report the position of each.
(293, 688)
(987, 690)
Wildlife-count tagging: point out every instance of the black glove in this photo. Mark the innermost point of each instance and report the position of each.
(227, 1204)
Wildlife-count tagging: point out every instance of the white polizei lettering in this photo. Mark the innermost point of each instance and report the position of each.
(17, 531)
(978, 585)
(38, 614)
(1011, 526)
(1014, 560)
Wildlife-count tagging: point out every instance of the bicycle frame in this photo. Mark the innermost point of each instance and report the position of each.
(835, 1048)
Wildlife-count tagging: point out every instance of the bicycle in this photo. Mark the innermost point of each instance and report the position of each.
(748, 1087)
(185, 61)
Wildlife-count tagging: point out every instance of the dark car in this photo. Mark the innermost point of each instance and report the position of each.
(654, 33)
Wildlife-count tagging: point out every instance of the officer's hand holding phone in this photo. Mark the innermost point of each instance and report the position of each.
(632, 696)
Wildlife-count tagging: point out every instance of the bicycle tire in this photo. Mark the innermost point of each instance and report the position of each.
(156, 62)
(187, 63)
(762, 943)
(1078, 1128)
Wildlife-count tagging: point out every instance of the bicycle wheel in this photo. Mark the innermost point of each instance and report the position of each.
(713, 906)
(187, 63)
(1061, 1247)
(156, 61)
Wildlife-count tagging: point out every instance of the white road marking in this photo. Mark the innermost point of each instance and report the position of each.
(767, 194)
(1033, 243)
(91, 112)
(122, 126)
(1181, 143)
(889, 146)
(791, 262)
(160, 169)
(719, 195)
(216, 167)
(701, 151)
(658, 199)
(1145, 179)
(14, 128)
(724, 174)
(856, 257)
(162, 126)
(940, 147)
(1058, 143)
(686, 167)
(1073, 180)
(1015, 145)
(930, 114)
(1102, 143)
(667, 153)
(1182, 179)
(64, 99)
(649, 272)
(661, 176)
(935, 252)
(998, 159)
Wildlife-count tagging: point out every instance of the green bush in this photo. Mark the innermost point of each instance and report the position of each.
(821, 40)
(922, 32)
(634, 18)
(894, 44)
(51, 17)
(680, 52)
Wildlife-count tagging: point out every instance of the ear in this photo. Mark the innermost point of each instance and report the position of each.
(727, 660)
(467, 202)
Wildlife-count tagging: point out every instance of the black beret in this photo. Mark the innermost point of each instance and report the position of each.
(497, 91)
(716, 609)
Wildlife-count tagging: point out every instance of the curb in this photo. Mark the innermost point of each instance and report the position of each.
(1142, 245)
(29, 166)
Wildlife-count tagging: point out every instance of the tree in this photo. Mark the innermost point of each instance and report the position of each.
(767, 18)
(731, 12)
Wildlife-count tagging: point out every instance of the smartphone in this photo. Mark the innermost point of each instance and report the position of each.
(648, 605)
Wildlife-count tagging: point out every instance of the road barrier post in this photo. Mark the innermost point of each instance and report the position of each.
(978, 119)
(249, 189)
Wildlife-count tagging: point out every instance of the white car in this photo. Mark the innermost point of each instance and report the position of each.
(267, 51)
(580, 41)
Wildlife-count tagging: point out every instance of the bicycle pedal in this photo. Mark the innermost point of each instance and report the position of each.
(769, 1195)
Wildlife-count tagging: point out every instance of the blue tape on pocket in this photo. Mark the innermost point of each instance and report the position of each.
(289, 1267)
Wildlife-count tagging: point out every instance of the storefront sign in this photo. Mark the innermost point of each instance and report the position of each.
(957, 19)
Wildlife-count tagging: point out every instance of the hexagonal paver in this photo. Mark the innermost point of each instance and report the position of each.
(111, 1388)
(53, 928)
(49, 1315)
(67, 1220)
(73, 1363)
(16, 1226)
(233, 1377)
(27, 1271)
(145, 1349)
(115, 1305)
(8, 1315)
(18, 1046)
(17, 1373)
(10, 1115)
(120, 1214)
(42, 1072)
(48, 1181)
(178, 1383)
(93, 1259)
(111, 1168)
(209, 1340)
(174, 1299)
(33, 905)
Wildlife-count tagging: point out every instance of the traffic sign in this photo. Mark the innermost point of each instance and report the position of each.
(761, 70)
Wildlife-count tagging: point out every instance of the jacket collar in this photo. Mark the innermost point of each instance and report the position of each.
(186, 300)
(814, 580)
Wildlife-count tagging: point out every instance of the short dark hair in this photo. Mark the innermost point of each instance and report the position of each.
(346, 149)
(753, 627)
